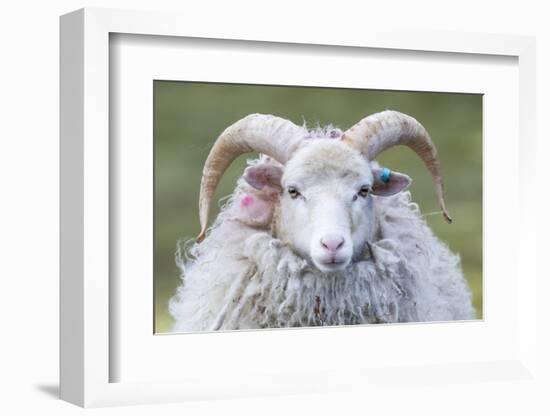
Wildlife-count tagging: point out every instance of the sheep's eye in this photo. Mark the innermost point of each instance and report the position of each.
(364, 191)
(293, 192)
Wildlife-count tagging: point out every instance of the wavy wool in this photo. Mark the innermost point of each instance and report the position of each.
(241, 277)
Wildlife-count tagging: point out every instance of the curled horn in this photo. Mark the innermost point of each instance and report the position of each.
(267, 134)
(380, 131)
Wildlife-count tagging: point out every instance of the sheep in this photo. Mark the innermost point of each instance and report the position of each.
(317, 233)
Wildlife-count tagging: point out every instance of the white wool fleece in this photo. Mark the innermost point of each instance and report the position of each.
(240, 277)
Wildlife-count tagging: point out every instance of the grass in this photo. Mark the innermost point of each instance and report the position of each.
(188, 117)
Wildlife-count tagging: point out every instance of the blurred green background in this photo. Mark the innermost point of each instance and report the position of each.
(189, 116)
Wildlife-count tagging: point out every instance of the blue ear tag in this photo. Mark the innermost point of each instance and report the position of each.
(385, 175)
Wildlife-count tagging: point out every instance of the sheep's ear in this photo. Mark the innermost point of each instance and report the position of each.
(263, 175)
(254, 210)
(388, 183)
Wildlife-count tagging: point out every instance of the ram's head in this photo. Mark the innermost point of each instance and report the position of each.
(318, 191)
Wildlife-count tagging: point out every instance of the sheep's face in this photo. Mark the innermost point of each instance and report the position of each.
(325, 210)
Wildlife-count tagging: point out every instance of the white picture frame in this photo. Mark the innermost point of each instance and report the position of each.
(87, 356)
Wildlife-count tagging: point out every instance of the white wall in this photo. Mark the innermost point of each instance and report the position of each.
(29, 196)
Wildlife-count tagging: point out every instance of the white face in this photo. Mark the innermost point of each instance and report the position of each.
(326, 211)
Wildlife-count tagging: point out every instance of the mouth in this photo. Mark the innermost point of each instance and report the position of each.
(332, 264)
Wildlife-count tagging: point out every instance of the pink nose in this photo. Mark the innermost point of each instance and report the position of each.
(332, 242)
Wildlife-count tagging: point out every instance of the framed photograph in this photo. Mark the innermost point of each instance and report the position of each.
(341, 234)
(227, 198)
